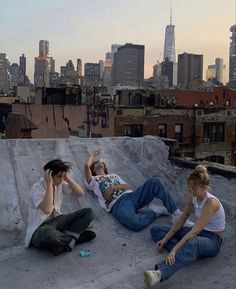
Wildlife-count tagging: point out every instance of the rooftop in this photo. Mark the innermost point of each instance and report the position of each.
(119, 256)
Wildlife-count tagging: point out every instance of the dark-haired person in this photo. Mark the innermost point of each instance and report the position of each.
(186, 245)
(115, 196)
(47, 228)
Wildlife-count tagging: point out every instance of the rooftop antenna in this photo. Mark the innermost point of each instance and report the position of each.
(171, 13)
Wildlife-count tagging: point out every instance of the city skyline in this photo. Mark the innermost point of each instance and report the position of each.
(74, 30)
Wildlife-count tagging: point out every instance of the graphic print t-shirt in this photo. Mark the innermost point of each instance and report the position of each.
(99, 185)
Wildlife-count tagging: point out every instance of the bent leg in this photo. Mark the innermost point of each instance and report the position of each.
(125, 212)
(190, 252)
(76, 222)
(45, 237)
(153, 188)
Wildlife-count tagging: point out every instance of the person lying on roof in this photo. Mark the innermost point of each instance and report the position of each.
(115, 196)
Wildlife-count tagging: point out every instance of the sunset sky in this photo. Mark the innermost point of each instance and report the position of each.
(86, 29)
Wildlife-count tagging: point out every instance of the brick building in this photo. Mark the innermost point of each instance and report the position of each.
(204, 129)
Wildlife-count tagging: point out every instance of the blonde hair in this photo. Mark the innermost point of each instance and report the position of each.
(199, 177)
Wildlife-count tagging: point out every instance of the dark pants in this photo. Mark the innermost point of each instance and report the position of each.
(61, 230)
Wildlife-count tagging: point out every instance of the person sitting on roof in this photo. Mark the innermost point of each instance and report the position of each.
(47, 228)
(115, 196)
(185, 245)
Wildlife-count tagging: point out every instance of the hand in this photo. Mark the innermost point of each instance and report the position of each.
(170, 258)
(48, 177)
(160, 244)
(108, 193)
(96, 152)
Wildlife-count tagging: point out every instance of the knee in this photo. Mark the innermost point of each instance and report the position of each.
(49, 233)
(88, 212)
(155, 180)
(157, 233)
(135, 226)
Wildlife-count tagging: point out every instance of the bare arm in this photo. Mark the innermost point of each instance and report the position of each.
(211, 206)
(76, 188)
(88, 162)
(47, 205)
(179, 224)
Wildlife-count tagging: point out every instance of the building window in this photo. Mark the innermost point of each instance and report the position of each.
(213, 132)
(134, 130)
(162, 131)
(179, 132)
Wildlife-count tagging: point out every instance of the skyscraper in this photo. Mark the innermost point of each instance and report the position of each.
(190, 68)
(22, 68)
(232, 58)
(44, 47)
(42, 65)
(5, 80)
(128, 68)
(169, 49)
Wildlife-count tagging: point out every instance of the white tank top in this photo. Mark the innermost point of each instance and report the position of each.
(217, 220)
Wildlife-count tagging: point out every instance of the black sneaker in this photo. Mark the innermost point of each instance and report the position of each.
(57, 250)
(86, 236)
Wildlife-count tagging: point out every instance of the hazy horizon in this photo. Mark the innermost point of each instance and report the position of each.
(86, 30)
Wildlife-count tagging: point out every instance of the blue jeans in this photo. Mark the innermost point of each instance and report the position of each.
(125, 208)
(205, 244)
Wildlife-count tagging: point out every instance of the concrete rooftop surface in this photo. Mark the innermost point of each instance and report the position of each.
(118, 255)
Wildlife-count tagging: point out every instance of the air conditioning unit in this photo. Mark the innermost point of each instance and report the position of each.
(147, 111)
(207, 140)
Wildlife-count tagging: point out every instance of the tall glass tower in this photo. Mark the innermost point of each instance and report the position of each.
(169, 48)
(232, 58)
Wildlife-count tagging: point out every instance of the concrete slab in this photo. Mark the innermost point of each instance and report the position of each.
(119, 256)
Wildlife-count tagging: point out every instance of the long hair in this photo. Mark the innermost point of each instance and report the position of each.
(93, 165)
(57, 166)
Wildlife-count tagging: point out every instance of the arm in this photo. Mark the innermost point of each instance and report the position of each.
(74, 185)
(88, 162)
(111, 189)
(47, 205)
(211, 206)
(179, 224)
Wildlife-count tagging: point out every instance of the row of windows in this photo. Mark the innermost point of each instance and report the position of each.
(137, 131)
(212, 132)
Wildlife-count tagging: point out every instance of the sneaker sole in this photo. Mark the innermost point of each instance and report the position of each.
(147, 280)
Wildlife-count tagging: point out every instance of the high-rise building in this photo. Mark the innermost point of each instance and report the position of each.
(216, 72)
(42, 65)
(232, 58)
(5, 78)
(190, 69)
(114, 48)
(92, 74)
(128, 68)
(44, 47)
(167, 70)
(68, 74)
(210, 72)
(22, 69)
(15, 74)
(169, 51)
(169, 47)
(79, 67)
(219, 64)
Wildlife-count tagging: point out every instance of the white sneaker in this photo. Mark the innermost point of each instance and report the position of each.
(176, 216)
(159, 210)
(151, 278)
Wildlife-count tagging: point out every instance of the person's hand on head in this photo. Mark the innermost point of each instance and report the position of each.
(96, 152)
(48, 176)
